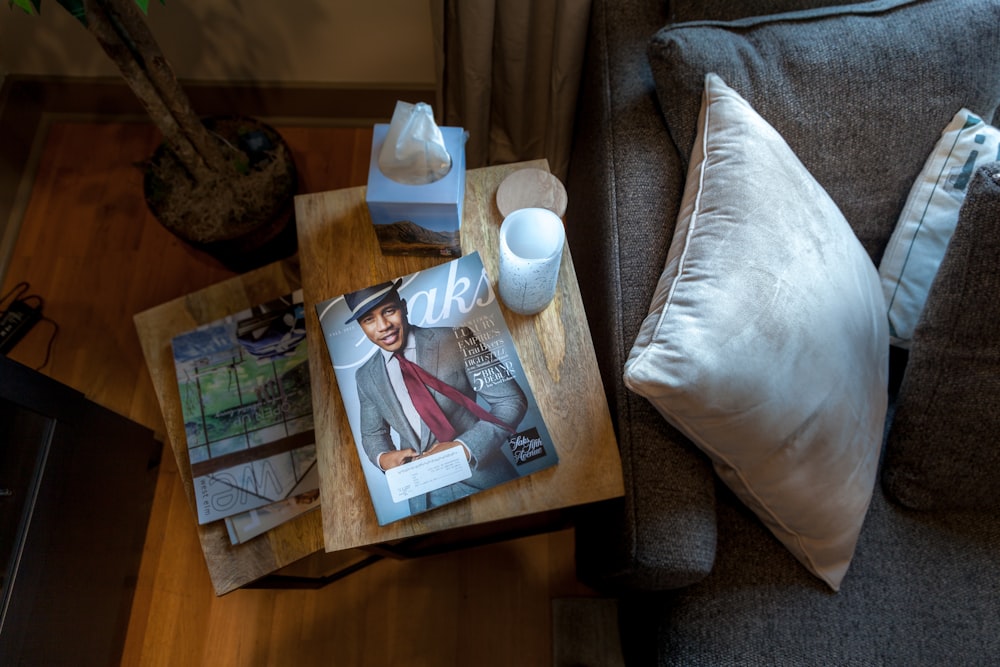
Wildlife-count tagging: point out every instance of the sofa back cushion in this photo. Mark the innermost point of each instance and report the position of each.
(943, 450)
(727, 10)
(859, 92)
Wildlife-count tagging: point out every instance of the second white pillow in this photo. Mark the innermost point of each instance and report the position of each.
(928, 220)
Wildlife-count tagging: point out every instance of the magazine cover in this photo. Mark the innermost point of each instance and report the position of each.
(247, 406)
(435, 393)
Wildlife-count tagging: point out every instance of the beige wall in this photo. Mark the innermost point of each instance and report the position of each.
(377, 42)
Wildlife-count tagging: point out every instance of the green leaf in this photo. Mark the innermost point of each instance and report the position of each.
(29, 6)
(75, 8)
(144, 5)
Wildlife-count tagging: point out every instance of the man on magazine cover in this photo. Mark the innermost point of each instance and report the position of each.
(418, 387)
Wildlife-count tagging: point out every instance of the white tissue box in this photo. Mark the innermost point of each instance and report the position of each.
(418, 219)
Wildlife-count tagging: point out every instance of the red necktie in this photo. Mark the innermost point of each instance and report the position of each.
(418, 380)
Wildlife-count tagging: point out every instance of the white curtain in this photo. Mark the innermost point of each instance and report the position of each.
(509, 72)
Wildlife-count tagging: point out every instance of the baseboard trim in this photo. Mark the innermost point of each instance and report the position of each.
(26, 101)
(111, 96)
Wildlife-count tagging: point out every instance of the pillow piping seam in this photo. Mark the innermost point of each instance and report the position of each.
(717, 456)
(923, 217)
(694, 218)
(684, 253)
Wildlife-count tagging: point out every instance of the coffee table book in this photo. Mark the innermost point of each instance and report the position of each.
(450, 315)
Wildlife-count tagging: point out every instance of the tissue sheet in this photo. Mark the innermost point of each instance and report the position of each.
(414, 152)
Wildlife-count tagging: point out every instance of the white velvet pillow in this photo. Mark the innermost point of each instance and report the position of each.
(928, 220)
(766, 342)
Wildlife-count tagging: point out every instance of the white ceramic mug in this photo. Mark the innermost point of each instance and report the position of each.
(531, 245)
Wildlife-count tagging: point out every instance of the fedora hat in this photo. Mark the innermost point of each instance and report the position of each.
(364, 300)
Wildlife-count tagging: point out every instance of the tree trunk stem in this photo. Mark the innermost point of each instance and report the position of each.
(123, 34)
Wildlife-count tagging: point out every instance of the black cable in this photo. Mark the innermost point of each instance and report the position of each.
(52, 339)
(20, 288)
(39, 300)
(18, 292)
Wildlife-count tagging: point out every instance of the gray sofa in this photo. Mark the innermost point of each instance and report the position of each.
(861, 93)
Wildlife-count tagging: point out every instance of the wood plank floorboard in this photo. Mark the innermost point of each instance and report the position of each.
(91, 250)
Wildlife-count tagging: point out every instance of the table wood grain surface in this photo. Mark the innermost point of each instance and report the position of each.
(339, 253)
(230, 566)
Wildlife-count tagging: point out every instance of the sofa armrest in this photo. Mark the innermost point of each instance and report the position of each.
(624, 184)
(662, 534)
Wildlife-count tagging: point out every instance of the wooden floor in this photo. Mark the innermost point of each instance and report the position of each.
(89, 247)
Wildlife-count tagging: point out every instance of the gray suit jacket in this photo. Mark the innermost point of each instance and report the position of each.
(438, 353)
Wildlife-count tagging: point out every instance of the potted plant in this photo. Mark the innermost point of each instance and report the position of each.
(225, 184)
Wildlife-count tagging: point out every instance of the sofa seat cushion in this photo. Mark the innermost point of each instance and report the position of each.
(943, 449)
(850, 88)
(766, 341)
(924, 589)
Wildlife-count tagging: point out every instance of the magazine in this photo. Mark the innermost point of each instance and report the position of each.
(247, 407)
(421, 443)
(248, 525)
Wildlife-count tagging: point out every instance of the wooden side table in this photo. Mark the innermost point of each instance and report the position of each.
(286, 547)
(339, 252)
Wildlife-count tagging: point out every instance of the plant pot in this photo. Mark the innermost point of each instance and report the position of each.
(244, 218)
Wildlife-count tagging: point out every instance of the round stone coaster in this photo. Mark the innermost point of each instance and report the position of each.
(531, 188)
